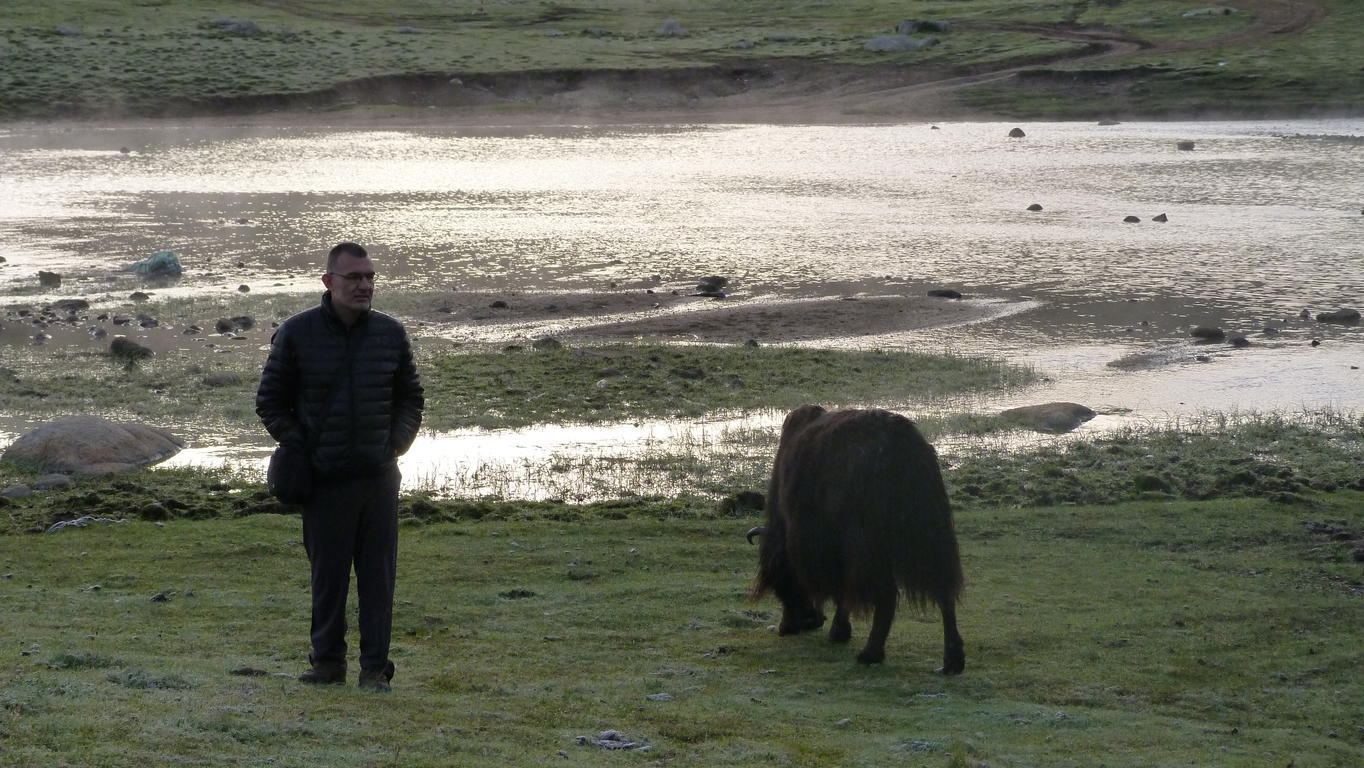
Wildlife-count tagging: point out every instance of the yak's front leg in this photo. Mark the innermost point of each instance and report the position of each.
(875, 650)
(953, 650)
(841, 630)
(798, 612)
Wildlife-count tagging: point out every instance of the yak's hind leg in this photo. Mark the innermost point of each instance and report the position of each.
(841, 630)
(953, 650)
(875, 650)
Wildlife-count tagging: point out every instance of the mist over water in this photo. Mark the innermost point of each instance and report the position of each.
(1264, 222)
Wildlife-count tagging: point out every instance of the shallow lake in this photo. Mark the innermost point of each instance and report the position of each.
(1264, 222)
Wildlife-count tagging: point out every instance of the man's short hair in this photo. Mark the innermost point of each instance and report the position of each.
(345, 249)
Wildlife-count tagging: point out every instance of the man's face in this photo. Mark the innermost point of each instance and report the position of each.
(351, 282)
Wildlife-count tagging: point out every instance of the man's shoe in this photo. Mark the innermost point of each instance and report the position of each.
(324, 673)
(377, 679)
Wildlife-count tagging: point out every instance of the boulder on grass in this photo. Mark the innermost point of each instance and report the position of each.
(1049, 417)
(86, 444)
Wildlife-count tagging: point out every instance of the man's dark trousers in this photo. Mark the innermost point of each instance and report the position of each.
(353, 521)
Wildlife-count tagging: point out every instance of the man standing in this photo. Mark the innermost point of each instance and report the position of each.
(340, 386)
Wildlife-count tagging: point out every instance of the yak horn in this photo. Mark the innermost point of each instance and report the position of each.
(755, 531)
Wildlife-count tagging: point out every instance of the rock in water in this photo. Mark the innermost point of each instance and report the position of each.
(1017, 133)
(1049, 417)
(86, 444)
(1339, 316)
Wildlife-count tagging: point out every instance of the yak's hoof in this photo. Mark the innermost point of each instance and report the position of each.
(953, 663)
(870, 656)
(813, 621)
(840, 633)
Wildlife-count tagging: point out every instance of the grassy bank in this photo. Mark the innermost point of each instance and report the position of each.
(1215, 633)
(511, 387)
(1295, 75)
(155, 57)
(1290, 461)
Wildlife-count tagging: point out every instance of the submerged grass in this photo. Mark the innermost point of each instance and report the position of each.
(1219, 633)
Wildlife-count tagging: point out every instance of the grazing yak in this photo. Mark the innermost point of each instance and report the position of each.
(857, 513)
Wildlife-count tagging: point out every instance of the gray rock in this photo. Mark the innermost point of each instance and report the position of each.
(236, 27)
(900, 43)
(71, 305)
(944, 293)
(1162, 218)
(1035, 207)
(49, 279)
(659, 697)
(54, 480)
(1017, 133)
(1131, 220)
(19, 491)
(91, 445)
(1049, 417)
(1216, 10)
(222, 379)
(1184, 146)
(1208, 333)
(919, 26)
(672, 28)
(82, 522)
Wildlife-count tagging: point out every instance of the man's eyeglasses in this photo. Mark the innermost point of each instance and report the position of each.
(354, 277)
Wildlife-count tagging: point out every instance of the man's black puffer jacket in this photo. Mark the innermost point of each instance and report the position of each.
(373, 416)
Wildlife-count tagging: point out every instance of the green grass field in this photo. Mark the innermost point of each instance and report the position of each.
(1220, 633)
(155, 57)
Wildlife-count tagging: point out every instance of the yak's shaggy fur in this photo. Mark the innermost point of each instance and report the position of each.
(857, 513)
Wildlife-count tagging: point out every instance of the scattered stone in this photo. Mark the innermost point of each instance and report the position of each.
(1035, 207)
(1131, 220)
(659, 697)
(1217, 10)
(672, 28)
(1184, 146)
(1162, 218)
(1109, 122)
(81, 522)
(1270, 330)
(1208, 333)
(1316, 342)
(499, 304)
(160, 597)
(689, 373)
(752, 344)
(944, 293)
(844, 723)
(86, 444)
(49, 279)
(1240, 342)
(244, 289)
(1017, 133)
(138, 296)
(1339, 316)
(1049, 417)
(712, 283)
(613, 740)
